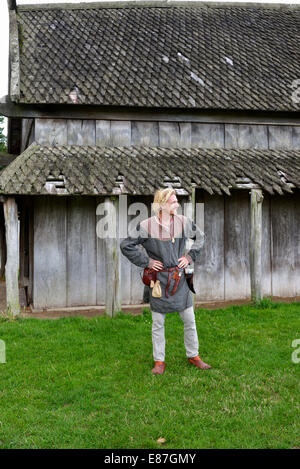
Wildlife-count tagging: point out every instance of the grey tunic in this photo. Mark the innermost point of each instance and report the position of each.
(168, 253)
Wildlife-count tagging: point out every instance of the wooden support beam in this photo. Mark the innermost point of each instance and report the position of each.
(113, 264)
(12, 109)
(12, 262)
(12, 4)
(14, 57)
(255, 244)
(2, 243)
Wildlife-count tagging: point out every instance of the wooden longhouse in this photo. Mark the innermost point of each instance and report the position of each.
(114, 99)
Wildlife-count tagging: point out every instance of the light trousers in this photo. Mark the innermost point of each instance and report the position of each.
(190, 334)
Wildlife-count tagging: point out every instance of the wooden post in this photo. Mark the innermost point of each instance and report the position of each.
(12, 262)
(255, 244)
(113, 264)
(2, 243)
(12, 4)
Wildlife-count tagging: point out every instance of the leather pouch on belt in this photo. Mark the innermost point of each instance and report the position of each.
(156, 290)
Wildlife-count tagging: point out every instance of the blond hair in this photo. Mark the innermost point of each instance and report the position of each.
(160, 198)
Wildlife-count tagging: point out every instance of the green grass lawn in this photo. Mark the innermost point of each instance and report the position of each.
(87, 383)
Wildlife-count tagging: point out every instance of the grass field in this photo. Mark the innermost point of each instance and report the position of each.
(87, 383)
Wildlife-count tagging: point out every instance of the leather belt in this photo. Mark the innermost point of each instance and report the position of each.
(176, 276)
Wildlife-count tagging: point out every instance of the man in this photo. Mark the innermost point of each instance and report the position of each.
(163, 237)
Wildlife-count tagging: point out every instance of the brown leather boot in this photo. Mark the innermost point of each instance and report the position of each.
(199, 363)
(159, 368)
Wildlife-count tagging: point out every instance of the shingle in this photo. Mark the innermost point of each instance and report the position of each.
(92, 170)
(238, 58)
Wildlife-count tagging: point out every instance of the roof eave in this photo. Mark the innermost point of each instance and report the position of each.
(153, 4)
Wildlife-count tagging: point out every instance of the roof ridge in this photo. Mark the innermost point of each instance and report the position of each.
(157, 4)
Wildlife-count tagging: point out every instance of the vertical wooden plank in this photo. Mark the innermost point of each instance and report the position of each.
(255, 244)
(207, 135)
(169, 134)
(120, 133)
(266, 247)
(88, 131)
(136, 284)
(50, 263)
(280, 136)
(101, 258)
(144, 134)
(51, 131)
(125, 279)
(73, 131)
(23, 251)
(2, 242)
(12, 261)
(296, 136)
(236, 245)
(81, 251)
(113, 272)
(209, 269)
(285, 245)
(125, 263)
(246, 136)
(27, 129)
(32, 133)
(30, 292)
(174, 134)
(296, 209)
(81, 132)
(185, 129)
(22, 211)
(103, 133)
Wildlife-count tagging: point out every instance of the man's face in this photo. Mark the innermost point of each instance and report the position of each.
(172, 204)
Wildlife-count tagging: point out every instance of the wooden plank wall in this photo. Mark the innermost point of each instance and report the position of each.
(68, 256)
(27, 133)
(223, 270)
(285, 249)
(50, 257)
(164, 134)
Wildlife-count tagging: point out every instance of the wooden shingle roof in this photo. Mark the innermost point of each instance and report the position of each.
(92, 170)
(197, 56)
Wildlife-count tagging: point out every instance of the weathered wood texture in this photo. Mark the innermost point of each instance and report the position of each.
(113, 254)
(2, 242)
(236, 245)
(285, 221)
(266, 277)
(256, 244)
(27, 133)
(12, 229)
(50, 256)
(71, 263)
(131, 283)
(51, 131)
(209, 268)
(81, 132)
(223, 271)
(81, 251)
(164, 134)
(69, 266)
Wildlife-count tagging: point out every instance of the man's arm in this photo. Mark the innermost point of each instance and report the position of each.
(192, 231)
(129, 248)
